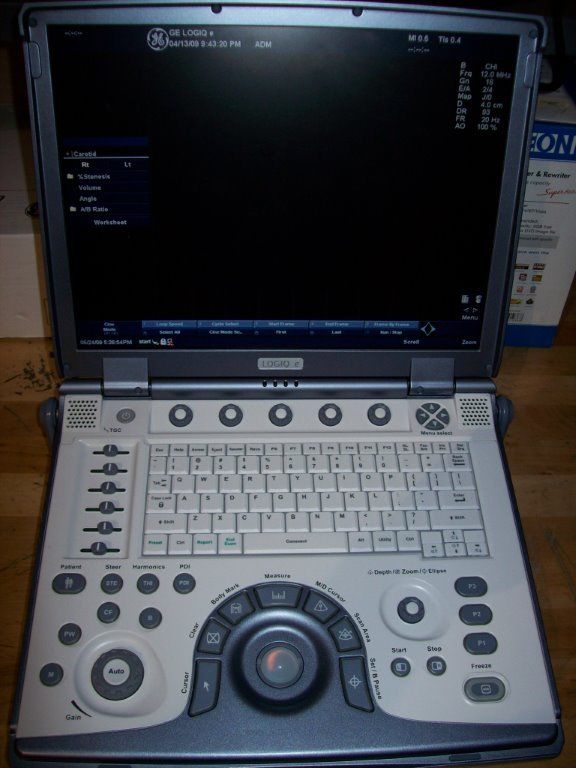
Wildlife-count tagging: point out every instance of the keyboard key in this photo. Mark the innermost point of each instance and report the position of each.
(204, 544)
(178, 465)
(249, 523)
(346, 521)
(236, 449)
(155, 544)
(394, 481)
(161, 503)
(216, 449)
(254, 484)
(463, 481)
(364, 463)
(197, 449)
(159, 484)
(226, 465)
(426, 499)
(157, 466)
(371, 481)
(458, 500)
(445, 518)
(179, 449)
(271, 465)
(159, 449)
(180, 544)
(284, 502)
(168, 524)
(370, 521)
(403, 500)
(388, 463)
(302, 482)
(318, 464)
(247, 465)
(409, 463)
(201, 465)
(297, 522)
(275, 483)
(260, 502)
(384, 542)
(187, 502)
(339, 463)
(360, 542)
(456, 461)
(408, 541)
(455, 549)
(273, 522)
(305, 543)
(199, 523)
(418, 521)
(206, 484)
(355, 501)
(183, 484)
(229, 545)
(332, 502)
(211, 503)
(254, 449)
(417, 481)
(308, 502)
(236, 503)
(294, 464)
(324, 482)
(224, 523)
(453, 535)
(380, 501)
(440, 481)
(394, 521)
(321, 521)
(348, 481)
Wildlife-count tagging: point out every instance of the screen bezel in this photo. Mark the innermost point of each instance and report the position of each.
(342, 362)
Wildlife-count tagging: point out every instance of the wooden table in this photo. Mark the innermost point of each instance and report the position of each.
(541, 446)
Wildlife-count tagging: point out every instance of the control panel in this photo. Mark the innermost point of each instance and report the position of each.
(372, 575)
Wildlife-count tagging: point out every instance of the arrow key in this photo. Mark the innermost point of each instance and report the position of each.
(206, 686)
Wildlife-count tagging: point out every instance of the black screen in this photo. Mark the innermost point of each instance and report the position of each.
(298, 187)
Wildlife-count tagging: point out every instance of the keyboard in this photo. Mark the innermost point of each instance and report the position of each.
(312, 498)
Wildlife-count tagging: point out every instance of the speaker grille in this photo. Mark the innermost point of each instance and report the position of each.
(474, 412)
(82, 413)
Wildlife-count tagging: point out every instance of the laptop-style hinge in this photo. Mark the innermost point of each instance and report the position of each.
(126, 377)
(432, 376)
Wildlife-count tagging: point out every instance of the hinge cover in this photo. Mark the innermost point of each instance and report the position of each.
(432, 376)
(126, 377)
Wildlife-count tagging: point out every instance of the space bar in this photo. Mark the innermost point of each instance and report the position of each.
(295, 544)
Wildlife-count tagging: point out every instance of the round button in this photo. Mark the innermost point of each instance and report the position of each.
(108, 612)
(117, 674)
(69, 634)
(184, 583)
(110, 468)
(180, 415)
(330, 415)
(51, 674)
(280, 415)
(400, 667)
(280, 665)
(98, 548)
(411, 610)
(107, 507)
(436, 665)
(125, 415)
(379, 414)
(230, 415)
(111, 583)
(150, 618)
(110, 450)
(147, 583)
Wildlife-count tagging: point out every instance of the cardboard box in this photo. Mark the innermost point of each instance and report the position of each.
(546, 256)
(22, 289)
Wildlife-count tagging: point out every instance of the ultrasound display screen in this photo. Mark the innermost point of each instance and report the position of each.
(279, 187)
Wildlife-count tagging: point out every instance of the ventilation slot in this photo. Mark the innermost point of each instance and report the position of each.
(82, 413)
(276, 383)
(474, 412)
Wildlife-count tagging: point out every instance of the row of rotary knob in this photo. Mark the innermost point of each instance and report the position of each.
(280, 415)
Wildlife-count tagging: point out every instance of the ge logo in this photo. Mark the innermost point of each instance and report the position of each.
(157, 39)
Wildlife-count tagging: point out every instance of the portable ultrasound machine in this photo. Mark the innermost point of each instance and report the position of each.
(280, 528)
